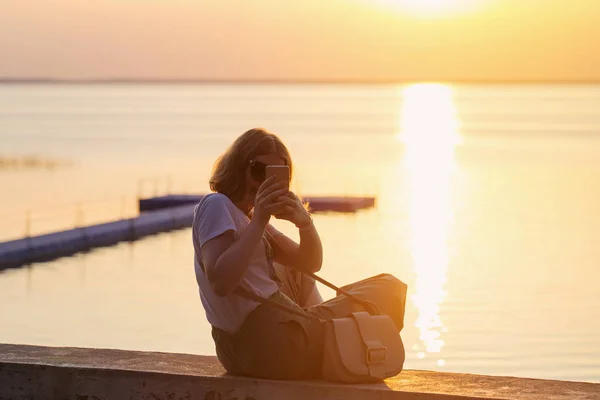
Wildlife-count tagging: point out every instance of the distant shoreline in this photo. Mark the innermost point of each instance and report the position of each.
(287, 82)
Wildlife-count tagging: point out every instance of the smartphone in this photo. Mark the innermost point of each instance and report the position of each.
(281, 172)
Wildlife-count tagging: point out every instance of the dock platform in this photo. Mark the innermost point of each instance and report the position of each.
(50, 246)
(157, 214)
(316, 203)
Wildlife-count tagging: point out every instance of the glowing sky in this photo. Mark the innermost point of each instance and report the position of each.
(373, 40)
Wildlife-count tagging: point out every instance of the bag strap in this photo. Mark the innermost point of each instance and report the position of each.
(370, 307)
(243, 292)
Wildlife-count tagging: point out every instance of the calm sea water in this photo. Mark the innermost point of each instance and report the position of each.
(487, 207)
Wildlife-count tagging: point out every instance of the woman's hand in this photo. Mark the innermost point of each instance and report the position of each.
(269, 200)
(293, 210)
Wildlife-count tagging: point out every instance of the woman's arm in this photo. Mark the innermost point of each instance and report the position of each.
(308, 255)
(226, 259)
(310, 249)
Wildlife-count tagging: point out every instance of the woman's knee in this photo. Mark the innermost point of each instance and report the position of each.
(390, 296)
(394, 287)
(393, 281)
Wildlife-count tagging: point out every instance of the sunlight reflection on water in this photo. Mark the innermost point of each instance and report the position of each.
(430, 132)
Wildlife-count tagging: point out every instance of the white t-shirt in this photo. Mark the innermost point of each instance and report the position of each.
(213, 216)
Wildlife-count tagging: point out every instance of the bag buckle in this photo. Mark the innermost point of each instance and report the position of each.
(376, 355)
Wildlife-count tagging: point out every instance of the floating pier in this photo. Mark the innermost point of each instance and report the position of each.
(157, 214)
(316, 204)
(54, 245)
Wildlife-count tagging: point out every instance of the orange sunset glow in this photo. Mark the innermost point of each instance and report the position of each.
(309, 40)
(433, 7)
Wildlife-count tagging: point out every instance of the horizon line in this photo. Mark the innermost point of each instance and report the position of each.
(7, 80)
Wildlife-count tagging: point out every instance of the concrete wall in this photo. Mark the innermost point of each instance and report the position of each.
(34, 372)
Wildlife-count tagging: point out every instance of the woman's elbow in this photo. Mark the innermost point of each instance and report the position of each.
(219, 285)
(219, 290)
(315, 265)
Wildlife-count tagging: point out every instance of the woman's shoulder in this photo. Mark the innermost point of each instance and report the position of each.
(214, 198)
(213, 215)
(213, 202)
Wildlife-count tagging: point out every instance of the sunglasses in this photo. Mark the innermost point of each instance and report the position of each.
(258, 170)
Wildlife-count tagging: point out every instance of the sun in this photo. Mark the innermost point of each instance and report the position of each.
(431, 7)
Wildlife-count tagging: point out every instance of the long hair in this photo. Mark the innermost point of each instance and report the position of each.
(229, 172)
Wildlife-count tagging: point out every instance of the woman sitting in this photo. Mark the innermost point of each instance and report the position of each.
(236, 247)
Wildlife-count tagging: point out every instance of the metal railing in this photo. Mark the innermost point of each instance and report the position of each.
(27, 222)
(32, 222)
(155, 186)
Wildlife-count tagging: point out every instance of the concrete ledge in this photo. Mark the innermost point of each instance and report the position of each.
(33, 372)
